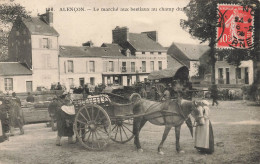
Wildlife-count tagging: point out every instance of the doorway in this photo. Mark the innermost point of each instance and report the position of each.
(81, 82)
(246, 76)
(28, 86)
(227, 76)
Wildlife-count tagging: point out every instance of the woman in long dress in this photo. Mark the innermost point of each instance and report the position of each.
(65, 117)
(204, 138)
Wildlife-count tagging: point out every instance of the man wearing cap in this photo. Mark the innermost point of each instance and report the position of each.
(16, 117)
(52, 109)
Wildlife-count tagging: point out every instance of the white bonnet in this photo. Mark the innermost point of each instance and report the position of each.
(205, 102)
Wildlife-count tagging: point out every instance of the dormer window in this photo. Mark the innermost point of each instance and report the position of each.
(128, 53)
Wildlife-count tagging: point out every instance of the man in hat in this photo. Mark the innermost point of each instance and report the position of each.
(52, 109)
(16, 116)
(30, 97)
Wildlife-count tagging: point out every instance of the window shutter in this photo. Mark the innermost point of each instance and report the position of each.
(50, 43)
(128, 63)
(104, 66)
(40, 43)
(64, 66)
(87, 66)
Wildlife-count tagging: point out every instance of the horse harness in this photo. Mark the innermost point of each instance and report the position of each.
(169, 113)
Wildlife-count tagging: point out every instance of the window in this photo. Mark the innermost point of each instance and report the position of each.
(238, 73)
(151, 53)
(8, 84)
(17, 33)
(159, 65)
(220, 73)
(143, 52)
(152, 66)
(159, 53)
(132, 66)
(71, 82)
(111, 66)
(70, 66)
(92, 66)
(143, 66)
(123, 66)
(45, 43)
(108, 80)
(92, 80)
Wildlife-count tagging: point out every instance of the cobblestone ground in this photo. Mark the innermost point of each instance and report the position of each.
(235, 125)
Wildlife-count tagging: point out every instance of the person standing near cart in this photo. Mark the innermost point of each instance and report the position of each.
(204, 138)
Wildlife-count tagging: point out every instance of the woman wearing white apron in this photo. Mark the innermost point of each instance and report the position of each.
(204, 139)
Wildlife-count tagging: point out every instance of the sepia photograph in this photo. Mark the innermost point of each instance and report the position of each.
(129, 81)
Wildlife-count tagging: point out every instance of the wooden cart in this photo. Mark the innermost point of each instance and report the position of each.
(98, 120)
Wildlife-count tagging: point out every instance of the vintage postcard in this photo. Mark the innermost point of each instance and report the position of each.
(129, 81)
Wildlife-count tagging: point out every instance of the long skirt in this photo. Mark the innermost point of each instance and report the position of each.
(204, 138)
(65, 123)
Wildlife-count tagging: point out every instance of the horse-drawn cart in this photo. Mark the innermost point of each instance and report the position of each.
(98, 120)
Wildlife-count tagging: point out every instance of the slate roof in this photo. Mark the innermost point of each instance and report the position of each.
(74, 51)
(178, 55)
(37, 26)
(192, 51)
(113, 46)
(14, 68)
(141, 42)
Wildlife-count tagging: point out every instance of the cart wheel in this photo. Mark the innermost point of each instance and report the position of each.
(89, 125)
(122, 130)
(159, 89)
(134, 97)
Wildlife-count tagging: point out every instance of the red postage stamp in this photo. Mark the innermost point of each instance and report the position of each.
(235, 26)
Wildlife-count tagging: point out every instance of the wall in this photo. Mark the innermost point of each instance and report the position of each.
(81, 70)
(194, 68)
(19, 83)
(232, 71)
(45, 62)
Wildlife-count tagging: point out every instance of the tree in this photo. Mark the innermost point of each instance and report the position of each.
(202, 24)
(8, 15)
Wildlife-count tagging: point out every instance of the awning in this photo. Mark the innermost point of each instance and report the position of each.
(169, 73)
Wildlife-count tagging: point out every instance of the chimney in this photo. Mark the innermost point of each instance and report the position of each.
(48, 17)
(88, 44)
(152, 35)
(120, 35)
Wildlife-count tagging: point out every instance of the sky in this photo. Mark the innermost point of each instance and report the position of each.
(77, 27)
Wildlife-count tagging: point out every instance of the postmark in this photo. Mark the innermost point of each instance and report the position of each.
(235, 27)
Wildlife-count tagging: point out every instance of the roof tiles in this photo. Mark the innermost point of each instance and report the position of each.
(13, 68)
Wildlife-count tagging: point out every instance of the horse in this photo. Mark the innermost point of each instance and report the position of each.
(171, 113)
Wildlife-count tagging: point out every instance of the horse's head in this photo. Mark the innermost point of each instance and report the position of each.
(200, 111)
